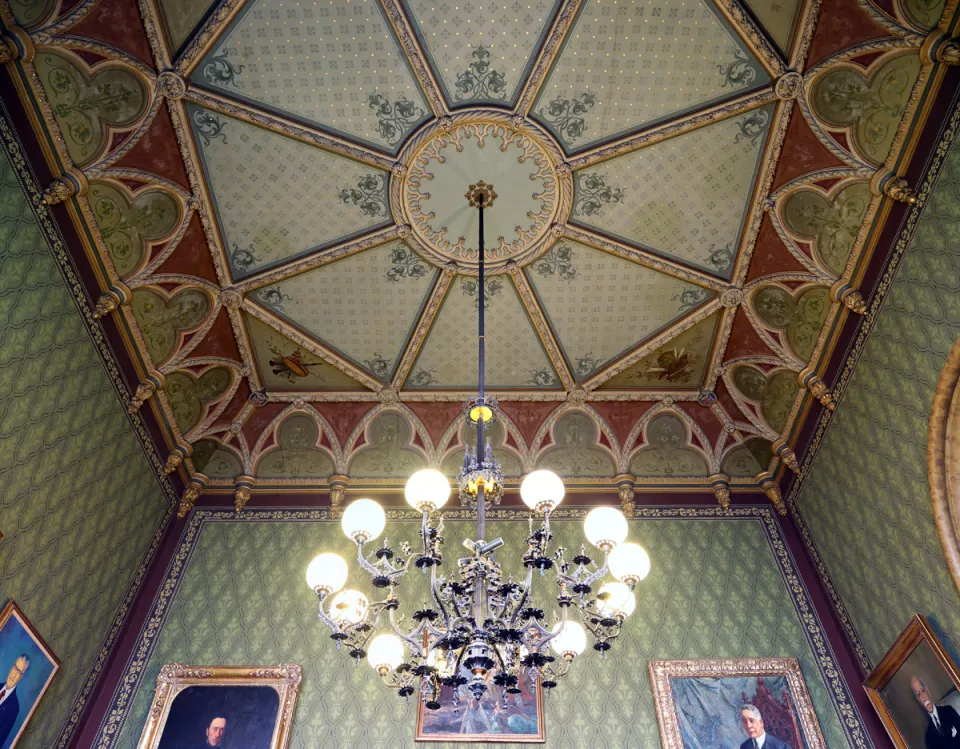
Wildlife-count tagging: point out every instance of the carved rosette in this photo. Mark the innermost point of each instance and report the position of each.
(231, 298)
(171, 86)
(789, 85)
(731, 297)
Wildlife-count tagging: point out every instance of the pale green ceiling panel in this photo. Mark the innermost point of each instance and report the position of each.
(336, 64)
(277, 198)
(515, 357)
(180, 18)
(600, 305)
(364, 306)
(778, 17)
(685, 197)
(481, 53)
(629, 63)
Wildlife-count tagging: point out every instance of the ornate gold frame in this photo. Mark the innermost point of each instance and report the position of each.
(175, 677)
(943, 460)
(662, 671)
(916, 632)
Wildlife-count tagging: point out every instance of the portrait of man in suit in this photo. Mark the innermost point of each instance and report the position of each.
(9, 703)
(757, 737)
(216, 728)
(943, 722)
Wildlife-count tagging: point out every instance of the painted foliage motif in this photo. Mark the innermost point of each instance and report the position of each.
(830, 223)
(667, 453)
(297, 454)
(162, 319)
(800, 315)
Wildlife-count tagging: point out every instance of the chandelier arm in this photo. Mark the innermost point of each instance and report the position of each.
(416, 648)
(523, 598)
(550, 635)
(436, 597)
(328, 620)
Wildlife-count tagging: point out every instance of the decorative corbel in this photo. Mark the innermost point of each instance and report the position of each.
(783, 451)
(175, 459)
(720, 482)
(849, 297)
(772, 490)
(190, 495)
(894, 187)
(940, 48)
(145, 391)
(817, 387)
(625, 488)
(69, 184)
(116, 295)
(338, 491)
(243, 490)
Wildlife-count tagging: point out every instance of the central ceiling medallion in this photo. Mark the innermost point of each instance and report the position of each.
(516, 155)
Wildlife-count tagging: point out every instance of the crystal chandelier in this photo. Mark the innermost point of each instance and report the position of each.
(481, 625)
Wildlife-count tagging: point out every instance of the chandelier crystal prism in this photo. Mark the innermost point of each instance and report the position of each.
(482, 626)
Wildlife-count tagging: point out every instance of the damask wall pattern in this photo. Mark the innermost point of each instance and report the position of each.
(715, 590)
(866, 497)
(75, 528)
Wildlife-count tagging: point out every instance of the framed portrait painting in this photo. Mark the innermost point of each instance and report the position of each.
(494, 718)
(914, 689)
(703, 704)
(27, 666)
(210, 706)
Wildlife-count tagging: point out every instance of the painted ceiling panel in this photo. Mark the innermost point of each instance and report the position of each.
(285, 365)
(180, 18)
(515, 357)
(679, 363)
(778, 17)
(335, 64)
(685, 197)
(600, 305)
(481, 53)
(363, 306)
(277, 198)
(633, 63)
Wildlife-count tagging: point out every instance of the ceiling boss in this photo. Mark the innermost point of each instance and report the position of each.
(480, 621)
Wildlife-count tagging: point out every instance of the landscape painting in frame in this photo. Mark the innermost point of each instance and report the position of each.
(914, 689)
(222, 706)
(27, 666)
(496, 717)
(704, 704)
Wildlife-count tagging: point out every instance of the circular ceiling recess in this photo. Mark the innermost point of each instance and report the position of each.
(515, 156)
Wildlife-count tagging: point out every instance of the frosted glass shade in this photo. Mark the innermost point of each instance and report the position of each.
(572, 639)
(620, 600)
(427, 490)
(542, 491)
(629, 563)
(363, 520)
(327, 573)
(348, 607)
(385, 653)
(605, 528)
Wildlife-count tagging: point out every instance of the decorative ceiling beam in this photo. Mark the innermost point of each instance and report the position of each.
(320, 258)
(806, 24)
(664, 131)
(548, 53)
(423, 325)
(731, 302)
(162, 54)
(752, 34)
(283, 126)
(402, 28)
(209, 33)
(643, 257)
(539, 319)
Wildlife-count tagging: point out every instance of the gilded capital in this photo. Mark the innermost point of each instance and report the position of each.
(144, 391)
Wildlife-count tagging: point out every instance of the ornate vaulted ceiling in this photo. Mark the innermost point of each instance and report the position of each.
(271, 194)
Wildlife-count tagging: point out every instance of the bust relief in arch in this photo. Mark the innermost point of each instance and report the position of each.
(388, 452)
(575, 453)
(297, 453)
(667, 452)
(943, 460)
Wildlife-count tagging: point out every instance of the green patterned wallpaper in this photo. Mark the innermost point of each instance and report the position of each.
(75, 522)
(866, 498)
(715, 590)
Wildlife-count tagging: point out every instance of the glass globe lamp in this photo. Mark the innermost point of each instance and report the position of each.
(605, 528)
(619, 601)
(349, 607)
(385, 653)
(542, 491)
(571, 641)
(629, 563)
(427, 490)
(363, 520)
(326, 574)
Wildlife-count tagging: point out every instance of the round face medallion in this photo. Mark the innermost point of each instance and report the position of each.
(443, 161)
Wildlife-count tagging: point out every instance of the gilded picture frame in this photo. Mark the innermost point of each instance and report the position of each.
(206, 692)
(774, 685)
(28, 662)
(916, 653)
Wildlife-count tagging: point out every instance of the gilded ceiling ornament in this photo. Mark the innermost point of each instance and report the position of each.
(388, 396)
(787, 455)
(789, 85)
(481, 194)
(106, 304)
(144, 391)
(706, 398)
(731, 297)
(480, 80)
(720, 483)
(853, 300)
(59, 191)
(667, 401)
(258, 398)
(818, 389)
(370, 195)
(627, 495)
(231, 298)
(170, 85)
(740, 71)
(772, 491)
(752, 126)
(175, 459)
(577, 396)
(557, 261)
(242, 492)
(209, 126)
(394, 119)
(9, 52)
(591, 194)
(565, 117)
(190, 496)
(899, 189)
(220, 71)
